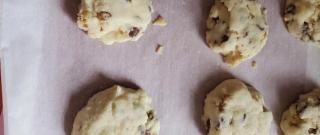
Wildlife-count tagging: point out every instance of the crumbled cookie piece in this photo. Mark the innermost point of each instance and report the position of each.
(159, 21)
(159, 49)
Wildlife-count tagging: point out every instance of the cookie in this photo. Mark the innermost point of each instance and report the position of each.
(303, 116)
(233, 108)
(114, 20)
(237, 29)
(302, 20)
(117, 111)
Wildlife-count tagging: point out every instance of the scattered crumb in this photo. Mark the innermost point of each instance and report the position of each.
(160, 21)
(159, 49)
(254, 64)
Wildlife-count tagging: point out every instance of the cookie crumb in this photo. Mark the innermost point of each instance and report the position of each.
(159, 21)
(254, 64)
(159, 49)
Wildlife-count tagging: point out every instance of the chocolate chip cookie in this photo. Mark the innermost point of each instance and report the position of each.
(233, 108)
(303, 117)
(117, 111)
(237, 29)
(302, 20)
(115, 20)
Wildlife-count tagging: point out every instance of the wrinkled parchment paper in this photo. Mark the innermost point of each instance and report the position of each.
(51, 68)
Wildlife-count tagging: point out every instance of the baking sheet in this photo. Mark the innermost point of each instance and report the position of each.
(51, 68)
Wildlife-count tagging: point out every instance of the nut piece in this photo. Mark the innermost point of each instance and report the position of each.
(159, 49)
(159, 21)
(134, 32)
(103, 15)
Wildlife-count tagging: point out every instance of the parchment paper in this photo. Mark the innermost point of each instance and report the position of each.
(51, 68)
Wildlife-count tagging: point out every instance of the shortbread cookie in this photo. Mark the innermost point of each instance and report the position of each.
(233, 108)
(237, 29)
(117, 111)
(303, 117)
(115, 20)
(302, 20)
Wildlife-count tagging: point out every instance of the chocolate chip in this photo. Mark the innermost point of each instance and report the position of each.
(220, 123)
(134, 32)
(150, 115)
(224, 38)
(244, 117)
(290, 9)
(150, 9)
(246, 34)
(264, 108)
(231, 122)
(259, 27)
(103, 15)
(208, 125)
(215, 19)
(313, 130)
(251, 16)
(305, 28)
(143, 131)
(263, 9)
(221, 120)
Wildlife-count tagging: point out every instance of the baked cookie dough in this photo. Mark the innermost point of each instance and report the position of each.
(302, 20)
(303, 117)
(233, 108)
(237, 29)
(117, 111)
(115, 20)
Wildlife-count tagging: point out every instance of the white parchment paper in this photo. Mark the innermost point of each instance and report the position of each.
(51, 68)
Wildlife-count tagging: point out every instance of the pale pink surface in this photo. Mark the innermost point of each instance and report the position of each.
(51, 68)
(1, 125)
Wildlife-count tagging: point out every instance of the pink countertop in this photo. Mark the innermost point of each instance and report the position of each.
(52, 67)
